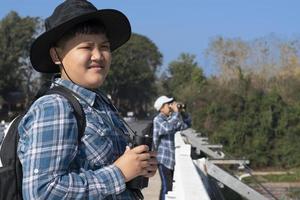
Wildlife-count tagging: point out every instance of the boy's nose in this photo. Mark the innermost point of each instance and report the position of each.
(97, 54)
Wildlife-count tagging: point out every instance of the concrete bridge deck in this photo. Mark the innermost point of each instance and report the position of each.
(153, 189)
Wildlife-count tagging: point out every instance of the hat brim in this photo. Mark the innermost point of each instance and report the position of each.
(169, 100)
(117, 28)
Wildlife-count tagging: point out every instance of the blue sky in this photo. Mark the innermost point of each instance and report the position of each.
(177, 26)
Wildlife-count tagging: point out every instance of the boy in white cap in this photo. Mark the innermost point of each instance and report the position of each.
(78, 42)
(165, 125)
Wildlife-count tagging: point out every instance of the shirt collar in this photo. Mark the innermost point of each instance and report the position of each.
(88, 95)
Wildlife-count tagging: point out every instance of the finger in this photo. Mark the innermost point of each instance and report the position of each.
(144, 156)
(152, 161)
(153, 153)
(144, 165)
(144, 172)
(141, 149)
(152, 167)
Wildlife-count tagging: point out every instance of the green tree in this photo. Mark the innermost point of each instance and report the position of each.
(185, 77)
(254, 113)
(184, 81)
(131, 80)
(16, 36)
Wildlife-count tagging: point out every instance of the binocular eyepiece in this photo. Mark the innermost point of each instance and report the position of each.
(181, 106)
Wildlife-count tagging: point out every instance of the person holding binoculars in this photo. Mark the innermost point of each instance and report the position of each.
(171, 118)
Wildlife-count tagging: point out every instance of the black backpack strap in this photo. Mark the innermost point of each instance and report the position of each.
(78, 110)
(11, 141)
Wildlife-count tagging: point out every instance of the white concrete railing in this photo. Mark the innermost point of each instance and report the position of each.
(191, 177)
(188, 184)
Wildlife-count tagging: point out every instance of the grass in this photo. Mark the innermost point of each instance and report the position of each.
(294, 193)
(291, 176)
(283, 178)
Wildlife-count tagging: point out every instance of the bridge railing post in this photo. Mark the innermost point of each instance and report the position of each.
(188, 184)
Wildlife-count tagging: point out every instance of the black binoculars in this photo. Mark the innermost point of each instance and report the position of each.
(181, 106)
(140, 182)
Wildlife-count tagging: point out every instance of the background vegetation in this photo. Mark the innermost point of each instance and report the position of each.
(252, 106)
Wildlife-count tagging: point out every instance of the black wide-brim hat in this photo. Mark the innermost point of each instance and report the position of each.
(67, 15)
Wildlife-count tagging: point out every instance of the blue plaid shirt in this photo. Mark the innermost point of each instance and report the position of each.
(164, 129)
(55, 166)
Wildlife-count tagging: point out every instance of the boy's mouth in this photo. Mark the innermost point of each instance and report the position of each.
(98, 66)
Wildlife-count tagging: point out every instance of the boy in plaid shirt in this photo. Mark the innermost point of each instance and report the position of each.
(165, 125)
(78, 42)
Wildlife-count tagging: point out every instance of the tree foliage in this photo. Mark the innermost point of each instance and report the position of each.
(132, 75)
(252, 105)
(16, 36)
(229, 55)
(184, 80)
(184, 72)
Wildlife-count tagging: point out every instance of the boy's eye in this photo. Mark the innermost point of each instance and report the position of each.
(105, 47)
(85, 47)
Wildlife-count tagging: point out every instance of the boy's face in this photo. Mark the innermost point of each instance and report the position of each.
(86, 59)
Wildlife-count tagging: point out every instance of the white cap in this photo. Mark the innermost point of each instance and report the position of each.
(160, 101)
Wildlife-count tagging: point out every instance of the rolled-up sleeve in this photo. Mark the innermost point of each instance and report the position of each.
(47, 148)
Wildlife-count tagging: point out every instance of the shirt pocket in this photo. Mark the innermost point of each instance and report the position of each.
(102, 143)
(98, 148)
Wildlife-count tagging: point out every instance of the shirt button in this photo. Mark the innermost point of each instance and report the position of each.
(36, 171)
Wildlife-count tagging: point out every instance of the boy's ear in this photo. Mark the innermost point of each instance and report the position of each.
(54, 56)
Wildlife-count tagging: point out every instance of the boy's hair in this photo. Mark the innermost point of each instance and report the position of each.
(87, 27)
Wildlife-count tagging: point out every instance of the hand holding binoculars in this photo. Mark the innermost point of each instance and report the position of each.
(179, 106)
